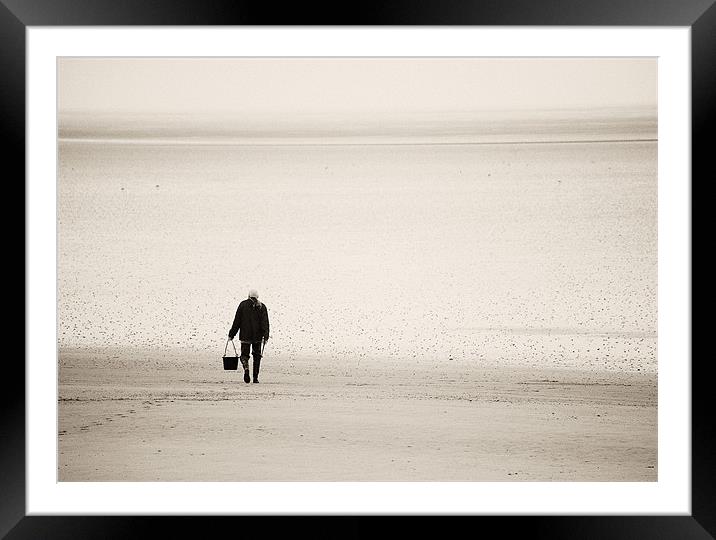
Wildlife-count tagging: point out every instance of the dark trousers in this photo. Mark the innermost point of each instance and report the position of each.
(246, 348)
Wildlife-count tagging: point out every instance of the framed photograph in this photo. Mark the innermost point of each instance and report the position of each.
(452, 246)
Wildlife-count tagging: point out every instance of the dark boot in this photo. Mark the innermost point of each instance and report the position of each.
(257, 366)
(245, 365)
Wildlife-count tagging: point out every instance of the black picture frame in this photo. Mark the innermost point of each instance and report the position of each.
(16, 15)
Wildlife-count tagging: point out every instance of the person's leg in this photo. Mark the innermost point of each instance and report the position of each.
(257, 360)
(245, 349)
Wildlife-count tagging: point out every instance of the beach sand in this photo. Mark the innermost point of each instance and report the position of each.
(148, 416)
(438, 311)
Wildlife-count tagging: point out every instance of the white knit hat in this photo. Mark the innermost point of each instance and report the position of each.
(253, 293)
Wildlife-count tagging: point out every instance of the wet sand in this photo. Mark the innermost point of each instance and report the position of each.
(540, 255)
(141, 415)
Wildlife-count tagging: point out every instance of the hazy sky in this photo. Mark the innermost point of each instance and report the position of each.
(352, 85)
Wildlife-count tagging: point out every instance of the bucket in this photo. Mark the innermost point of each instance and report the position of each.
(231, 362)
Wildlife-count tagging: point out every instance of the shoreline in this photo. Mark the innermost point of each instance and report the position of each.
(141, 356)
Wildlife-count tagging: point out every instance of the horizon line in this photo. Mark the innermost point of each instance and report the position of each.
(218, 142)
(75, 110)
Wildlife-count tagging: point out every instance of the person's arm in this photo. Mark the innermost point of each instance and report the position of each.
(265, 323)
(237, 324)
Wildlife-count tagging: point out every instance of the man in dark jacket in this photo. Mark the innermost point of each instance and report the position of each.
(252, 324)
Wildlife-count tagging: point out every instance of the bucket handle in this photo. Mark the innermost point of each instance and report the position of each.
(232, 344)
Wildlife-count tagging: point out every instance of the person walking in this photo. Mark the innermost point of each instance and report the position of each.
(252, 324)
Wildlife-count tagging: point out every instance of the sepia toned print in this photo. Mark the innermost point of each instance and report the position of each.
(457, 256)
